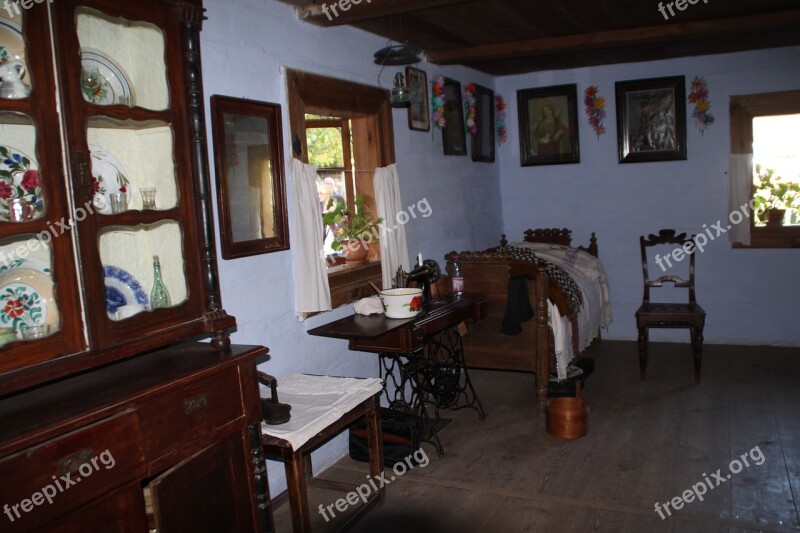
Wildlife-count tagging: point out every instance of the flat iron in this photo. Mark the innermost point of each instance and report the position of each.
(272, 410)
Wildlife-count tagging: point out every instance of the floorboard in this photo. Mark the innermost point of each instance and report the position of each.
(648, 442)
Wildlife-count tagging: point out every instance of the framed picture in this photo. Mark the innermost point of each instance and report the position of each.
(548, 125)
(419, 113)
(454, 138)
(651, 119)
(483, 138)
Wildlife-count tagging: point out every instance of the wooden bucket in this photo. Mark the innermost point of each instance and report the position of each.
(567, 418)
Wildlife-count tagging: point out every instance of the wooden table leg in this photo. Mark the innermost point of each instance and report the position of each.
(375, 442)
(297, 489)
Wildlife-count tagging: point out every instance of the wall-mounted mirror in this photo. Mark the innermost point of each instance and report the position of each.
(251, 188)
(483, 139)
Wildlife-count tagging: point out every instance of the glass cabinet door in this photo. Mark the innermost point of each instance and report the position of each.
(40, 312)
(127, 123)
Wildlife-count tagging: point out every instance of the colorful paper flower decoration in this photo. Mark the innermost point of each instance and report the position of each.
(595, 109)
(470, 100)
(500, 119)
(698, 96)
(437, 102)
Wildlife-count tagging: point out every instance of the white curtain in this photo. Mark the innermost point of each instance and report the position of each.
(311, 289)
(740, 172)
(394, 248)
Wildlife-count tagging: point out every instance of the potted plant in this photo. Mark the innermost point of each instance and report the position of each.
(774, 196)
(353, 230)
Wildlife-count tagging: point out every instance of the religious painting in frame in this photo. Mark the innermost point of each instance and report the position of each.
(651, 119)
(548, 125)
(419, 114)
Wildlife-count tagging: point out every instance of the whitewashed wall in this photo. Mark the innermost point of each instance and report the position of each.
(751, 296)
(246, 44)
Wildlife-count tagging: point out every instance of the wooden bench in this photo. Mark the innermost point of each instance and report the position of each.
(322, 407)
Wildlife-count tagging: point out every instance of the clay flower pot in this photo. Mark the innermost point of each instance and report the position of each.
(355, 252)
(775, 217)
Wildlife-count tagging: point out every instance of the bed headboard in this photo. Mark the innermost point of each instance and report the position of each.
(561, 236)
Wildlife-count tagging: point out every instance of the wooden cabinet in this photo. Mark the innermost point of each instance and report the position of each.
(111, 420)
(173, 427)
(103, 167)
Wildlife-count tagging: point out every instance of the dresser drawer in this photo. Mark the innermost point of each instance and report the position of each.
(181, 420)
(59, 475)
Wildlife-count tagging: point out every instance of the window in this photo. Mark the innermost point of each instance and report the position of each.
(329, 149)
(767, 127)
(345, 129)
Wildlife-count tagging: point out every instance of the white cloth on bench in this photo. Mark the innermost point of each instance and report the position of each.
(317, 402)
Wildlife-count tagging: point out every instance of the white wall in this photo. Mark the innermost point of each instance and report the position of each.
(246, 44)
(751, 296)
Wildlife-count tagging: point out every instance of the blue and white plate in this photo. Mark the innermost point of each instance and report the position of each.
(121, 289)
(113, 86)
(12, 46)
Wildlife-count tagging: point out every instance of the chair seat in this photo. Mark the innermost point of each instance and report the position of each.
(671, 309)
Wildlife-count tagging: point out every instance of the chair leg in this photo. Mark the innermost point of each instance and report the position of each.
(697, 351)
(642, 351)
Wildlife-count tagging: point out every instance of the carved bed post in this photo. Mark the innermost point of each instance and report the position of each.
(542, 337)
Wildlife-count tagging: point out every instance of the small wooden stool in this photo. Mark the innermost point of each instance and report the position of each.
(322, 407)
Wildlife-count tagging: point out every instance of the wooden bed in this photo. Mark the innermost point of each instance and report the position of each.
(531, 350)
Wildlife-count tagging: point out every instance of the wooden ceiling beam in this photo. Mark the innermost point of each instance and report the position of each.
(331, 12)
(614, 38)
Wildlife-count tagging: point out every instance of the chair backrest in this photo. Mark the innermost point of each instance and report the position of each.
(668, 236)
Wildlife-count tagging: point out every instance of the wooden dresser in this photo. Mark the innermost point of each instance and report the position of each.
(111, 419)
(161, 441)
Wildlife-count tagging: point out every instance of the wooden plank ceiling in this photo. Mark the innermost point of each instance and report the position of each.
(514, 36)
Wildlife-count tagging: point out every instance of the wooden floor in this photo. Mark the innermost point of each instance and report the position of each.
(648, 442)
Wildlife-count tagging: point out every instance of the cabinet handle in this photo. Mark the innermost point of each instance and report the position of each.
(83, 172)
(195, 403)
(71, 463)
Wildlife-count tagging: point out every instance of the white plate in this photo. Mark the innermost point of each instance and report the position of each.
(109, 177)
(121, 289)
(39, 265)
(11, 43)
(16, 178)
(114, 86)
(26, 299)
(12, 46)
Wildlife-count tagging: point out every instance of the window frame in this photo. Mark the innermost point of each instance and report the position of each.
(370, 111)
(743, 109)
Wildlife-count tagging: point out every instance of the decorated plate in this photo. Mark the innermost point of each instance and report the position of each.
(12, 47)
(39, 265)
(110, 87)
(109, 177)
(26, 299)
(121, 289)
(19, 178)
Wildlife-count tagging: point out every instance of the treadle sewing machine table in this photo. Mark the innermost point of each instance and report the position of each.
(430, 343)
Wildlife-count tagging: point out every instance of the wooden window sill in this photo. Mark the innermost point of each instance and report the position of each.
(778, 237)
(351, 283)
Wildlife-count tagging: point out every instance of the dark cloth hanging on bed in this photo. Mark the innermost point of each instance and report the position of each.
(555, 273)
(518, 306)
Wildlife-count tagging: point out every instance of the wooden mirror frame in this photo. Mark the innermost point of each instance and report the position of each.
(484, 115)
(231, 249)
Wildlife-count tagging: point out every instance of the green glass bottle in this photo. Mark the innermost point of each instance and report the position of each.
(159, 295)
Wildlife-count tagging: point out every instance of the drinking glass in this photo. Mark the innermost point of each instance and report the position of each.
(148, 197)
(119, 202)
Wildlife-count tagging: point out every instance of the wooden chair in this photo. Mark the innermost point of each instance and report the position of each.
(670, 315)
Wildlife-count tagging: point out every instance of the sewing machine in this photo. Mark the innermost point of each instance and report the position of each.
(424, 275)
